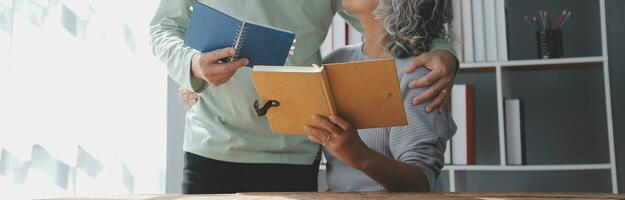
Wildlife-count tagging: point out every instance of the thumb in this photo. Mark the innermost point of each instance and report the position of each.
(233, 66)
(216, 55)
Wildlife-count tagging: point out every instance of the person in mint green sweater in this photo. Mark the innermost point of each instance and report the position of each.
(227, 147)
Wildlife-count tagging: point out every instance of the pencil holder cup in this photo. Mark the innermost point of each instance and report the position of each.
(549, 44)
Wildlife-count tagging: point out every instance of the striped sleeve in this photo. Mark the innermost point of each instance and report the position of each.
(421, 142)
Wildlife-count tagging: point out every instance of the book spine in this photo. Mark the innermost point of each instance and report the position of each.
(458, 113)
(515, 150)
(467, 31)
(470, 104)
(502, 30)
(239, 41)
(327, 89)
(448, 153)
(479, 37)
(463, 142)
(456, 28)
(490, 23)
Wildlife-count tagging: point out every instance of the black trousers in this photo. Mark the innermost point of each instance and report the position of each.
(207, 176)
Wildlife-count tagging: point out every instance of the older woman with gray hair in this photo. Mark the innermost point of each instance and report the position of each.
(406, 158)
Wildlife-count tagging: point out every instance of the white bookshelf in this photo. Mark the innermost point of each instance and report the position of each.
(500, 69)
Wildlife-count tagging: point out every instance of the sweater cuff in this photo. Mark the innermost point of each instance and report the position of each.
(441, 44)
(189, 81)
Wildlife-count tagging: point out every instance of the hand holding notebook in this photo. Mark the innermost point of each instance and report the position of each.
(206, 66)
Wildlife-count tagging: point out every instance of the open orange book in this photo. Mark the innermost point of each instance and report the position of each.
(366, 93)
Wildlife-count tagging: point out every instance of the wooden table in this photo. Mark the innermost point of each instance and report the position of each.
(365, 196)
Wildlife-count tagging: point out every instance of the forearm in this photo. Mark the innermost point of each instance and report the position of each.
(171, 51)
(342, 139)
(167, 31)
(392, 174)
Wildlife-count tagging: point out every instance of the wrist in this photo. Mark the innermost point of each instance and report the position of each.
(449, 59)
(365, 159)
(195, 64)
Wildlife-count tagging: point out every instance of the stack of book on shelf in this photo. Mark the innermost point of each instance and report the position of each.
(461, 148)
(479, 29)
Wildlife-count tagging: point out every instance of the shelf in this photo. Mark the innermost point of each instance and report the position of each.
(478, 65)
(561, 62)
(602, 166)
(570, 167)
(554, 61)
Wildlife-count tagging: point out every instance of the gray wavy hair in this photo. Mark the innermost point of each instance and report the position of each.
(411, 25)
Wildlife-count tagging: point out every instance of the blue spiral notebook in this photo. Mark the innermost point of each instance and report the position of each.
(210, 29)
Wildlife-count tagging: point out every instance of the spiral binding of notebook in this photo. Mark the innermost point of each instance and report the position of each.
(239, 40)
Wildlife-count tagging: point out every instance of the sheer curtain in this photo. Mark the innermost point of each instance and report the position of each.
(82, 100)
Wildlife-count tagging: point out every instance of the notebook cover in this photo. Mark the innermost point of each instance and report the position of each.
(367, 93)
(266, 45)
(300, 95)
(210, 29)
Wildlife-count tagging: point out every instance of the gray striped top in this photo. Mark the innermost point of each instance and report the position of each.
(421, 143)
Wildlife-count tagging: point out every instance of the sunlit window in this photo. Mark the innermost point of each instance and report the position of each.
(83, 101)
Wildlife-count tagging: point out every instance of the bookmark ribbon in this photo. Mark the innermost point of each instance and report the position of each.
(263, 111)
